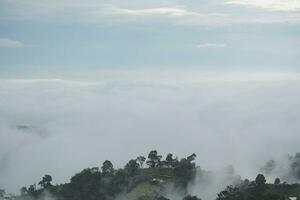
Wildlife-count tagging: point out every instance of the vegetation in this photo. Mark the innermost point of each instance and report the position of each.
(136, 182)
(260, 190)
(108, 183)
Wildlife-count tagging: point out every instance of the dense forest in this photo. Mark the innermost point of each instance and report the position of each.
(155, 178)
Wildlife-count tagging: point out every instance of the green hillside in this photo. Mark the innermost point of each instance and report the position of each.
(155, 178)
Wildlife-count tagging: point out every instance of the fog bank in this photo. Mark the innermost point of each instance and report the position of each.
(59, 126)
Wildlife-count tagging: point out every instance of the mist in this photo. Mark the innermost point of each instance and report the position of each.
(60, 126)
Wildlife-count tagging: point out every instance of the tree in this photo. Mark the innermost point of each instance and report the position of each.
(132, 167)
(107, 168)
(277, 181)
(118, 182)
(189, 197)
(86, 185)
(141, 160)
(260, 186)
(230, 193)
(191, 157)
(46, 181)
(170, 160)
(185, 171)
(154, 159)
(31, 190)
(260, 180)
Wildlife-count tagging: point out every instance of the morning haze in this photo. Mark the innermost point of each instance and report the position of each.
(83, 82)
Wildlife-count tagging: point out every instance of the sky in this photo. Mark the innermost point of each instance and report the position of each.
(85, 81)
(64, 38)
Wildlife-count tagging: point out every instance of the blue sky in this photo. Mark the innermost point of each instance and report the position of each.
(57, 38)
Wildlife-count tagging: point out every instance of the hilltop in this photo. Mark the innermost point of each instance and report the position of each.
(155, 178)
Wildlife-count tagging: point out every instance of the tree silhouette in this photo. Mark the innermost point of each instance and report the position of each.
(153, 159)
(277, 181)
(46, 181)
(132, 167)
(260, 180)
(107, 168)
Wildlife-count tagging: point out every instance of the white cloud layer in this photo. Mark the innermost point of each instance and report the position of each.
(60, 127)
(9, 43)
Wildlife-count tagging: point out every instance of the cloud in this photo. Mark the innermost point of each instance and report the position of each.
(115, 12)
(206, 13)
(9, 43)
(211, 45)
(44, 123)
(176, 14)
(166, 11)
(271, 5)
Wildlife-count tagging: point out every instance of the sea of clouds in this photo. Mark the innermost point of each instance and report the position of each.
(60, 126)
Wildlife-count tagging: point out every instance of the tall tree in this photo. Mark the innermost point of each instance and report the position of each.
(185, 170)
(277, 181)
(132, 167)
(153, 159)
(46, 181)
(86, 185)
(191, 157)
(169, 160)
(107, 168)
(260, 180)
(31, 190)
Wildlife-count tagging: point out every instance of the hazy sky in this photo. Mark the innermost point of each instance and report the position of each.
(84, 81)
(67, 36)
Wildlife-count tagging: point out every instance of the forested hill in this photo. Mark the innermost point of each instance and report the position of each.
(154, 178)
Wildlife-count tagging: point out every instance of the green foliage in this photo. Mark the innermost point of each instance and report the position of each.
(46, 181)
(138, 183)
(259, 190)
(144, 190)
(132, 167)
(230, 193)
(91, 184)
(154, 159)
(260, 180)
(107, 168)
(185, 170)
(84, 185)
(31, 190)
(170, 161)
(277, 181)
(189, 197)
